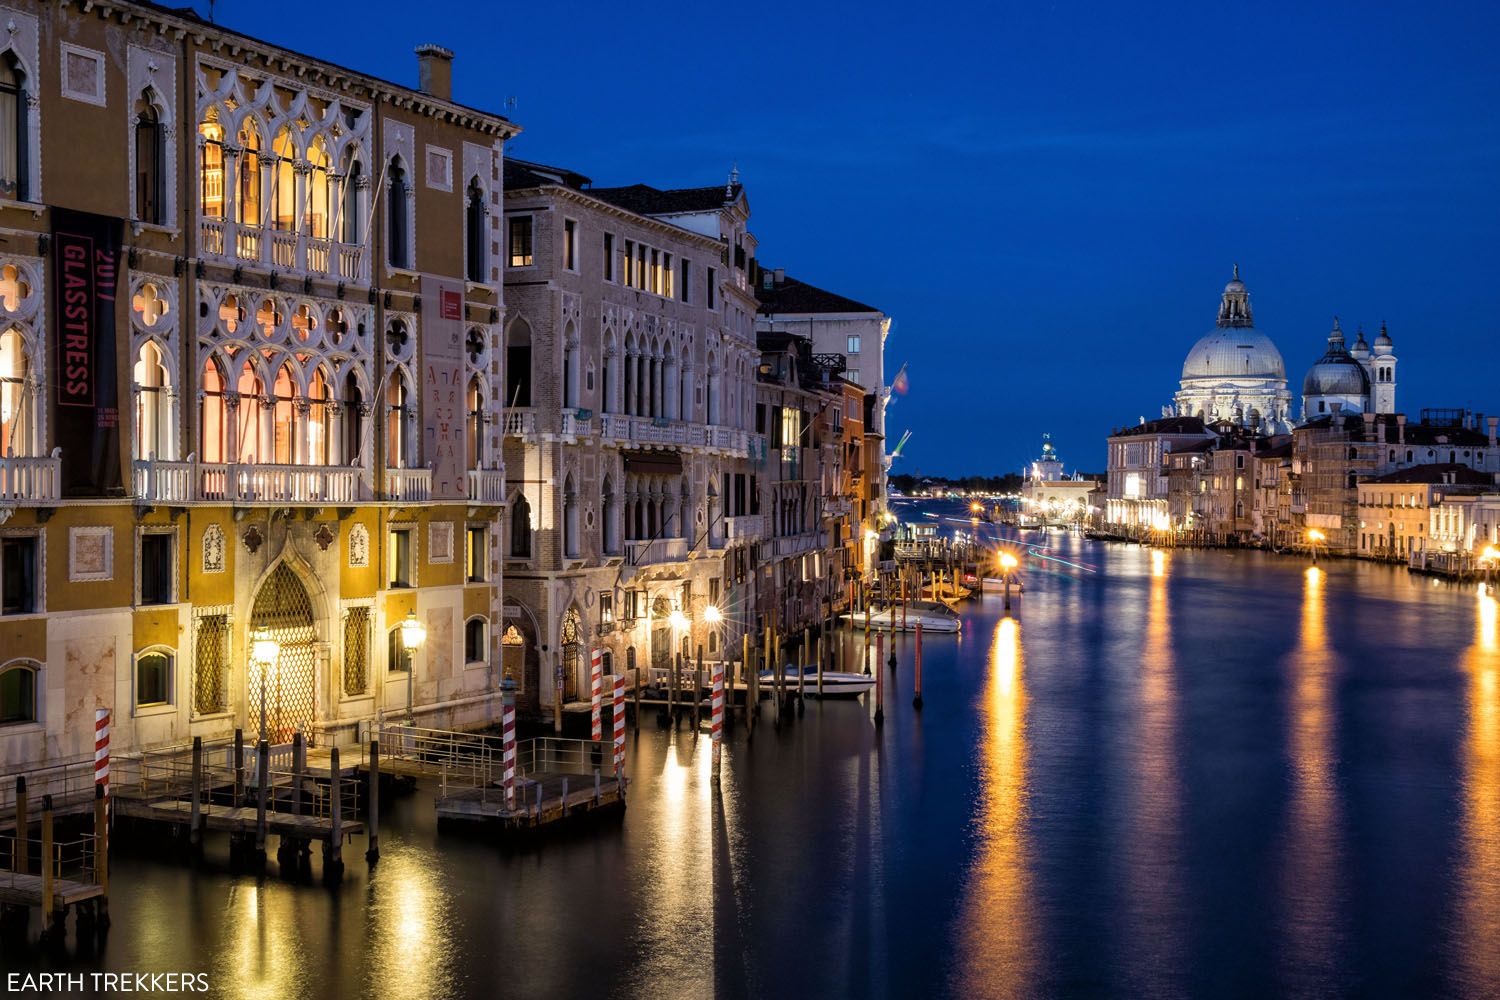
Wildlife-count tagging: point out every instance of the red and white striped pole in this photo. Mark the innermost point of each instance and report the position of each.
(620, 728)
(717, 730)
(508, 740)
(101, 752)
(597, 666)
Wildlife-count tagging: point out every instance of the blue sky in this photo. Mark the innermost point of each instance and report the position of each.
(1048, 198)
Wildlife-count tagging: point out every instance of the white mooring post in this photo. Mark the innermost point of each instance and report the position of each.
(620, 732)
(717, 725)
(597, 667)
(508, 739)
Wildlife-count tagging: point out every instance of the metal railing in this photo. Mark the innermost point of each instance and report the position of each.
(75, 860)
(69, 782)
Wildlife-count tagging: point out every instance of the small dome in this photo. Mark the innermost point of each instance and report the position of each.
(1234, 352)
(1336, 374)
(1383, 342)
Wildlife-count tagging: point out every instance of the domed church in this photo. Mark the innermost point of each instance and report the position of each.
(1352, 380)
(1234, 373)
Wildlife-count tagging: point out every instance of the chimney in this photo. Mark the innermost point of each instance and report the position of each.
(435, 71)
(1400, 428)
(1492, 422)
(1369, 426)
(780, 273)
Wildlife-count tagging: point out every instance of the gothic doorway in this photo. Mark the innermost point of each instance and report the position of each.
(661, 634)
(290, 681)
(570, 638)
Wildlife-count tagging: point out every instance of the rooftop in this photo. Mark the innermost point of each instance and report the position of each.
(1437, 473)
(788, 295)
(643, 199)
(1166, 425)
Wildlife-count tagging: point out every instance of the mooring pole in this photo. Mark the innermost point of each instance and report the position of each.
(46, 864)
(101, 841)
(372, 855)
(697, 689)
(299, 768)
(333, 861)
(20, 855)
(262, 766)
(916, 701)
(195, 828)
(879, 682)
(239, 767)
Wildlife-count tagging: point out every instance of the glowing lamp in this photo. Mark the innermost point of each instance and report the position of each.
(712, 615)
(1008, 562)
(263, 646)
(678, 619)
(412, 633)
(1314, 535)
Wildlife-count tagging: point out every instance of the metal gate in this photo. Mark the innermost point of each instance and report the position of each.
(570, 639)
(290, 681)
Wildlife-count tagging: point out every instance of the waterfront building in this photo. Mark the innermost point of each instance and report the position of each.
(1466, 525)
(1234, 373)
(281, 321)
(1271, 515)
(1409, 514)
(835, 325)
(629, 403)
(1136, 482)
(1050, 496)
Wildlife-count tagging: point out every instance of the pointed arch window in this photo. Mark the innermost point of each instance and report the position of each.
(213, 416)
(352, 224)
(320, 194)
(474, 216)
(153, 406)
(150, 163)
(321, 434)
(252, 396)
(353, 420)
(396, 217)
(520, 528)
(211, 170)
(248, 171)
(17, 407)
(284, 182)
(475, 428)
(15, 137)
(399, 419)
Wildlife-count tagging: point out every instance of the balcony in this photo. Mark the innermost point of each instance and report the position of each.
(154, 481)
(518, 421)
(408, 485)
(656, 550)
(791, 545)
(487, 485)
(746, 528)
(32, 480)
(838, 506)
(281, 250)
(662, 432)
(577, 423)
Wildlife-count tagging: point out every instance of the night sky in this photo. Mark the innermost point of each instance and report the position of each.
(1048, 198)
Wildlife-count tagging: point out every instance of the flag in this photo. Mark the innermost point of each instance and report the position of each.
(899, 384)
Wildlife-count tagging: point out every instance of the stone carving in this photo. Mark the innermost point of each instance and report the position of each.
(213, 549)
(359, 547)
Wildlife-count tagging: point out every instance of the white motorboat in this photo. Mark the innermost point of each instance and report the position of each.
(892, 620)
(836, 683)
(996, 585)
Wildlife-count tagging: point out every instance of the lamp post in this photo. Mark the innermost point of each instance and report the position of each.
(412, 637)
(1314, 536)
(1007, 565)
(264, 649)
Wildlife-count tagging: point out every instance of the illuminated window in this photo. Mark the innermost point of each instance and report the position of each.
(213, 417)
(247, 170)
(478, 552)
(211, 177)
(398, 558)
(520, 241)
(153, 679)
(17, 432)
(153, 409)
(320, 194)
(283, 183)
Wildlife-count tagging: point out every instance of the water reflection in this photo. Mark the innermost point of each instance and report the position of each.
(1312, 846)
(996, 922)
(1478, 944)
(412, 940)
(1153, 848)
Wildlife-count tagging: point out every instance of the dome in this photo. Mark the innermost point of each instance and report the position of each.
(1336, 374)
(1383, 342)
(1234, 352)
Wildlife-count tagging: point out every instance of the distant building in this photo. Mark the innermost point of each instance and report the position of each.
(1136, 481)
(1050, 496)
(1356, 380)
(1395, 510)
(1234, 372)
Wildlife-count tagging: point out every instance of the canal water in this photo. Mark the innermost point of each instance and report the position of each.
(1169, 774)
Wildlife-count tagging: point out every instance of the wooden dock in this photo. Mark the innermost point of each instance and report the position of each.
(241, 820)
(18, 889)
(541, 798)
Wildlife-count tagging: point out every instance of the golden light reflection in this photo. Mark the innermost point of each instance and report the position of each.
(267, 961)
(1312, 847)
(999, 950)
(411, 950)
(1478, 947)
(1153, 833)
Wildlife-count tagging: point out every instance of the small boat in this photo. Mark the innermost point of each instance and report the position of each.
(933, 618)
(836, 683)
(996, 585)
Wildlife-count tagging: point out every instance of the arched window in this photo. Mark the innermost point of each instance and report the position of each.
(609, 536)
(475, 427)
(520, 528)
(398, 422)
(396, 217)
(284, 183)
(320, 429)
(153, 406)
(247, 433)
(247, 169)
(397, 656)
(570, 367)
(518, 364)
(607, 377)
(153, 678)
(150, 163)
(18, 694)
(213, 416)
(211, 171)
(475, 634)
(352, 222)
(353, 417)
(284, 416)
(320, 196)
(570, 519)
(17, 432)
(474, 216)
(15, 136)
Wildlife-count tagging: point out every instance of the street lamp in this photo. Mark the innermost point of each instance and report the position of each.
(678, 619)
(1008, 563)
(264, 649)
(712, 615)
(1487, 559)
(412, 637)
(1314, 536)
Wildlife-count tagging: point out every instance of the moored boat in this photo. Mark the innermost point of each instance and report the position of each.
(931, 618)
(836, 683)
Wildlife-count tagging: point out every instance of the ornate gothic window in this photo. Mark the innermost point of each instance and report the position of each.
(150, 163)
(248, 171)
(211, 197)
(17, 397)
(474, 230)
(154, 427)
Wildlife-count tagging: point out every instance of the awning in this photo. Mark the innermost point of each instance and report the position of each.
(652, 463)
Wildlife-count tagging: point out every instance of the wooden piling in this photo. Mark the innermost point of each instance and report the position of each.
(195, 820)
(239, 767)
(672, 688)
(262, 772)
(820, 661)
(637, 694)
(916, 701)
(879, 681)
(101, 841)
(20, 854)
(372, 855)
(47, 901)
(299, 771)
(698, 689)
(333, 860)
